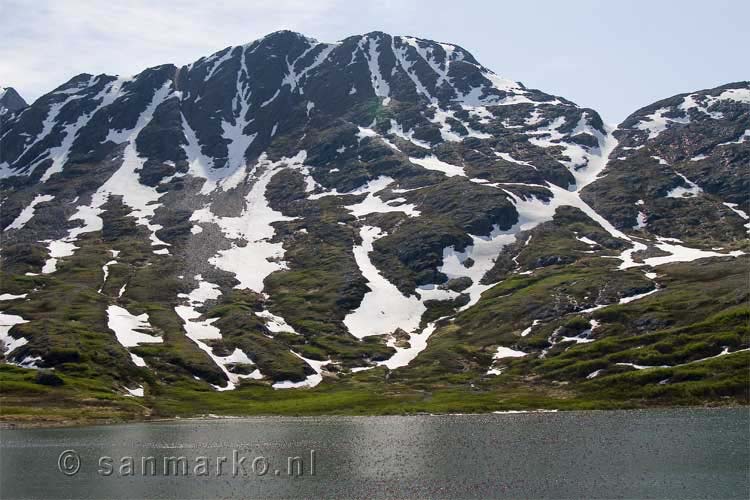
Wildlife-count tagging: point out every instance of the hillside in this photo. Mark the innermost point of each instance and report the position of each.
(379, 225)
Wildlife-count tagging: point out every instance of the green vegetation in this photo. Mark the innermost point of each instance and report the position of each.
(659, 350)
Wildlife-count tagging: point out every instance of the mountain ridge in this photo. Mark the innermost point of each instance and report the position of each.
(382, 213)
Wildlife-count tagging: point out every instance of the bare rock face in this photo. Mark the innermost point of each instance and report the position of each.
(10, 101)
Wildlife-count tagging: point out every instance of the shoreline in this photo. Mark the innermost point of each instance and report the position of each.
(10, 425)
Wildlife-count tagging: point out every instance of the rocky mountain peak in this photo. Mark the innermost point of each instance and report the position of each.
(10, 101)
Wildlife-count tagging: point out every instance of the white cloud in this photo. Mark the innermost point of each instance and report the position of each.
(45, 43)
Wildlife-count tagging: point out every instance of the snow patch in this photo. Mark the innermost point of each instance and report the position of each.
(657, 122)
(129, 330)
(405, 355)
(683, 192)
(310, 381)
(508, 157)
(384, 308)
(677, 253)
(57, 250)
(274, 323)
(626, 300)
(372, 56)
(259, 257)
(28, 212)
(7, 343)
(10, 296)
(741, 213)
(641, 221)
(142, 199)
(105, 270)
(432, 163)
(199, 330)
(503, 353)
(374, 204)
(397, 130)
(137, 392)
(528, 330)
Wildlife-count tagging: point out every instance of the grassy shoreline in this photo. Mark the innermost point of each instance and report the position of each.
(51, 417)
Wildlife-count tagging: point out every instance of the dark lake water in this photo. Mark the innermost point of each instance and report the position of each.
(682, 453)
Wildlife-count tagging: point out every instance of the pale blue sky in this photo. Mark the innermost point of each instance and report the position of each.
(612, 56)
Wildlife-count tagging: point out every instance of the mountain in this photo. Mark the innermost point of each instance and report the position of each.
(681, 147)
(381, 218)
(10, 101)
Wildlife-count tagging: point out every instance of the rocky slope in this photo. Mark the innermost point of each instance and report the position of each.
(10, 101)
(378, 214)
(681, 167)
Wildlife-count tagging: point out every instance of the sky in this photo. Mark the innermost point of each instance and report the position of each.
(614, 57)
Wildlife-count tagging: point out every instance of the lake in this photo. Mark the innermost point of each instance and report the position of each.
(676, 453)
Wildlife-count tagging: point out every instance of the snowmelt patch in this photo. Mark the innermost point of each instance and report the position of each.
(28, 212)
(258, 258)
(199, 330)
(310, 381)
(384, 308)
(7, 343)
(129, 330)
